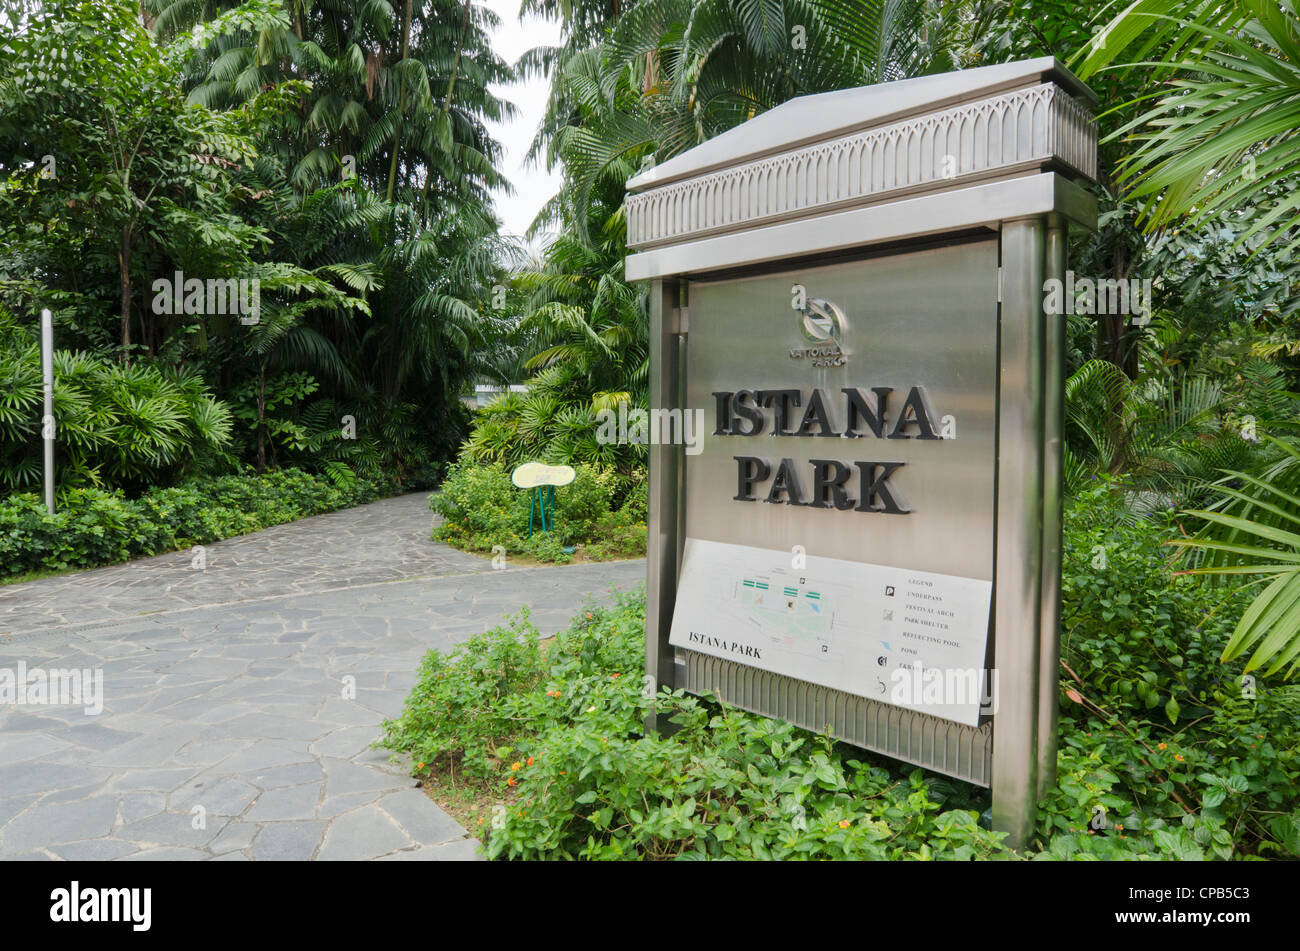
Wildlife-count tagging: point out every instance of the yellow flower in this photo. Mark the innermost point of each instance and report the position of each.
(844, 823)
(515, 766)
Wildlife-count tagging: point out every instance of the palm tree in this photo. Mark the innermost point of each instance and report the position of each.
(1224, 124)
(376, 155)
(1253, 531)
(674, 73)
(1163, 432)
(1222, 135)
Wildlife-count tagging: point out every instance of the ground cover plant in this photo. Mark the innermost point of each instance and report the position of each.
(539, 747)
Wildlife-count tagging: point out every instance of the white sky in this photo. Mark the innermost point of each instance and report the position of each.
(534, 186)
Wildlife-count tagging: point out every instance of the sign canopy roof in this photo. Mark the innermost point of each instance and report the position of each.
(827, 115)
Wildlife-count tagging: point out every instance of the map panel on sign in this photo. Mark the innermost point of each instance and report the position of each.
(911, 638)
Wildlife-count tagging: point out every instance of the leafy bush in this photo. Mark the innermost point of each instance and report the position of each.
(481, 509)
(92, 527)
(1138, 638)
(1163, 753)
(456, 715)
(559, 736)
(1223, 788)
(89, 527)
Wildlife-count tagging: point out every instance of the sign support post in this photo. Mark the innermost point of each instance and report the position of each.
(1019, 547)
(666, 475)
(1054, 347)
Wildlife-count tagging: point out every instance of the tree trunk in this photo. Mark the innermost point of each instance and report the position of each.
(401, 106)
(455, 63)
(124, 278)
(1115, 340)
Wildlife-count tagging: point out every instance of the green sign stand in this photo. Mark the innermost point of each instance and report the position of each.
(543, 502)
(542, 479)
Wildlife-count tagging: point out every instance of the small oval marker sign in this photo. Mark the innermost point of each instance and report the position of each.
(533, 474)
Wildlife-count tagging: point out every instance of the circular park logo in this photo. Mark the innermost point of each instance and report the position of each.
(822, 321)
(823, 324)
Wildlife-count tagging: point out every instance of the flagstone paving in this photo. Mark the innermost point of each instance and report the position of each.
(240, 700)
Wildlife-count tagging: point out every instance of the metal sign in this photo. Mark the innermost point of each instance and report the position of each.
(842, 513)
(867, 541)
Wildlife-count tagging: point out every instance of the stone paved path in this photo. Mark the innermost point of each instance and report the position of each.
(227, 689)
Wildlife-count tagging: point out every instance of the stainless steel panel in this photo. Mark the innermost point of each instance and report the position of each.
(826, 115)
(663, 535)
(916, 318)
(941, 745)
(923, 318)
(997, 137)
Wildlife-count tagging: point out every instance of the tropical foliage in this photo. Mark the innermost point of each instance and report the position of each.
(92, 526)
(335, 154)
(332, 161)
(1215, 148)
(1163, 755)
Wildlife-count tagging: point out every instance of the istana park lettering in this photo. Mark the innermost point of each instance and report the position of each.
(787, 413)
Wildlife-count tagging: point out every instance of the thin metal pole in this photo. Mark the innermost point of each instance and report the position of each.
(47, 421)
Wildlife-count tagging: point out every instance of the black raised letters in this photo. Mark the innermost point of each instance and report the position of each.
(829, 476)
(858, 409)
(749, 469)
(918, 408)
(782, 402)
(873, 485)
(785, 482)
(743, 405)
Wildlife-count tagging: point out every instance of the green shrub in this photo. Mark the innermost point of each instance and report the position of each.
(1135, 635)
(455, 715)
(194, 517)
(1162, 755)
(565, 746)
(481, 509)
(89, 527)
(94, 527)
(1224, 788)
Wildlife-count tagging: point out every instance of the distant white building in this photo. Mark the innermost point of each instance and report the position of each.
(485, 393)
